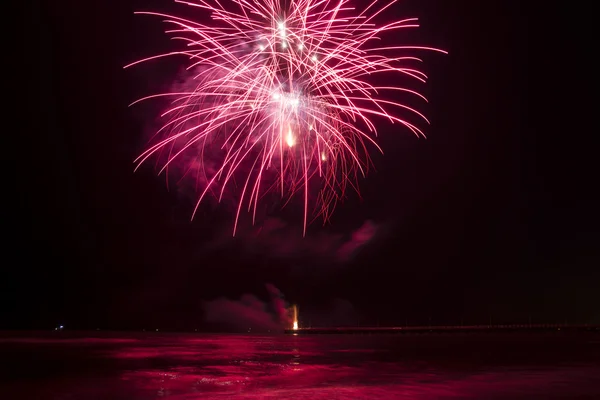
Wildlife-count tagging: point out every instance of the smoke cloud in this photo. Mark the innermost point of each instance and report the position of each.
(358, 239)
(277, 239)
(249, 313)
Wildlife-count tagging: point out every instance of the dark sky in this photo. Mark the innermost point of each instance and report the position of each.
(495, 214)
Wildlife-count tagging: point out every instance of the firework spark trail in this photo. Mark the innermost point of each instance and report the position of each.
(283, 97)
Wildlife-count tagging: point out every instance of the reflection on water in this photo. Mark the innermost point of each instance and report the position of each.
(298, 367)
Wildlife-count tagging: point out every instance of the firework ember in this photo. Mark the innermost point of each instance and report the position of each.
(281, 101)
(295, 317)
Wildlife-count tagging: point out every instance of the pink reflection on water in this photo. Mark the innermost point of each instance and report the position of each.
(224, 347)
(301, 367)
(339, 382)
(308, 368)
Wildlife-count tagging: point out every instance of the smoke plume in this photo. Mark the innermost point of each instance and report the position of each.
(249, 313)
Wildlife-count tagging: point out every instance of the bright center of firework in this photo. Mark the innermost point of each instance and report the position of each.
(295, 327)
(287, 100)
(323, 157)
(290, 139)
(281, 27)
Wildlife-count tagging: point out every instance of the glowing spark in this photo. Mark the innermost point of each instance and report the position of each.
(232, 118)
(295, 317)
(290, 139)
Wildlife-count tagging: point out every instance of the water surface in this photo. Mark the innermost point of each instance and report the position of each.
(183, 366)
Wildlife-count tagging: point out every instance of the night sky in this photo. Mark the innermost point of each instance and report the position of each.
(493, 215)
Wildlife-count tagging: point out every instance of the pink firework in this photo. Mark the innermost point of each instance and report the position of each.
(281, 100)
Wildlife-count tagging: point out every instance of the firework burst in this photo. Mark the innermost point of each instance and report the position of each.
(281, 101)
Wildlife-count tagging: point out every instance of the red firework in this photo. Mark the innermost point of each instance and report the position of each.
(281, 100)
